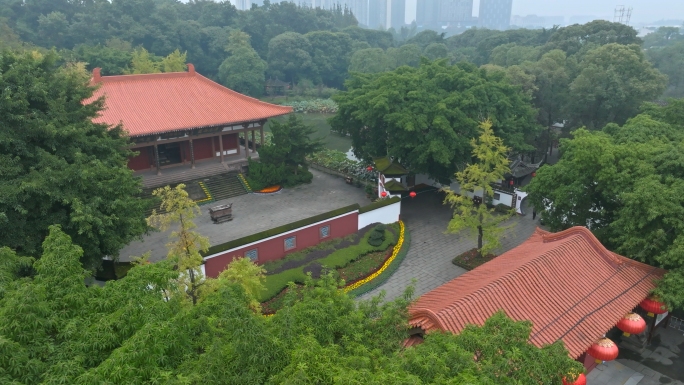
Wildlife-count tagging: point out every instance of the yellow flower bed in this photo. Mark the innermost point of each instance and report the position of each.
(244, 181)
(384, 267)
(206, 192)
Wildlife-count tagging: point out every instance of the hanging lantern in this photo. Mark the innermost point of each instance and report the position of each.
(581, 380)
(369, 168)
(603, 350)
(534, 174)
(653, 306)
(383, 194)
(412, 194)
(632, 324)
(511, 182)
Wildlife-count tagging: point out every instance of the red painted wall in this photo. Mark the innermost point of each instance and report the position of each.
(274, 248)
(229, 142)
(202, 148)
(588, 361)
(142, 161)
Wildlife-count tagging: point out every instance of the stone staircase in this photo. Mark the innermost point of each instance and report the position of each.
(221, 186)
(175, 176)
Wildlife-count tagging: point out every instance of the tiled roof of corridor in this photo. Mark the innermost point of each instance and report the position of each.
(569, 285)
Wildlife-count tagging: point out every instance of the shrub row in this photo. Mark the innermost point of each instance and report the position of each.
(279, 230)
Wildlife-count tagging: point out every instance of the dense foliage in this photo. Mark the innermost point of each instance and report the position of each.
(426, 116)
(284, 161)
(142, 329)
(625, 183)
(58, 167)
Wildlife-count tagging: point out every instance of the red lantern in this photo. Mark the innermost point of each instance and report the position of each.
(369, 168)
(603, 350)
(534, 174)
(383, 194)
(581, 380)
(412, 194)
(510, 182)
(632, 324)
(652, 306)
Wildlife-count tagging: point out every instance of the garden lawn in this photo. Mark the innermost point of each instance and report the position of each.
(331, 140)
(275, 283)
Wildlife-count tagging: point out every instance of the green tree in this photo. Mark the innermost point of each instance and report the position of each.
(623, 184)
(369, 60)
(406, 55)
(177, 208)
(112, 59)
(284, 160)
(331, 53)
(663, 37)
(289, 57)
(426, 116)
(614, 81)
(475, 180)
(243, 71)
(670, 61)
(142, 62)
(58, 166)
(174, 62)
(247, 274)
(436, 51)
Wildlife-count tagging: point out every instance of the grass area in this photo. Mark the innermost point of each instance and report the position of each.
(363, 266)
(471, 259)
(275, 283)
(331, 140)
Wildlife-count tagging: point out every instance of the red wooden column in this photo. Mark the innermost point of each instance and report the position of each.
(192, 154)
(221, 146)
(156, 159)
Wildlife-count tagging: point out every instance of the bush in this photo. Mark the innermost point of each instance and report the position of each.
(502, 208)
(262, 175)
(377, 236)
(303, 176)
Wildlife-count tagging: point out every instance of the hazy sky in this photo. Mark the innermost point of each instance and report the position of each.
(643, 10)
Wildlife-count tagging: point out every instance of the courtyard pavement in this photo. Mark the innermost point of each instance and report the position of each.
(429, 257)
(253, 213)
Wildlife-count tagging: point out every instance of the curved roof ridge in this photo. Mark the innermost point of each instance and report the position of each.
(136, 77)
(588, 236)
(239, 95)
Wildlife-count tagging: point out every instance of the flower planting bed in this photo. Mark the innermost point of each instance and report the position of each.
(334, 254)
(471, 259)
(270, 190)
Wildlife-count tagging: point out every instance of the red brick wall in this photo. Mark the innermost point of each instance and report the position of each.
(202, 148)
(273, 249)
(588, 361)
(142, 161)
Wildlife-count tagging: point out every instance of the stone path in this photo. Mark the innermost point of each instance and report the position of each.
(429, 257)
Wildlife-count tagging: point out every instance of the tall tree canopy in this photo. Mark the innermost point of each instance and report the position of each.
(625, 184)
(614, 80)
(243, 71)
(58, 167)
(138, 330)
(426, 116)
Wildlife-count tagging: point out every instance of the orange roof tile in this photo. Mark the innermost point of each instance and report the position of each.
(569, 285)
(158, 103)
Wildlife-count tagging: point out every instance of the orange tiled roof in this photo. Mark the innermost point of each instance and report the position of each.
(569, 285)
(158, 103)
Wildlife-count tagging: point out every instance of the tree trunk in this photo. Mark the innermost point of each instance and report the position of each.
(193, 295)
(479, 240)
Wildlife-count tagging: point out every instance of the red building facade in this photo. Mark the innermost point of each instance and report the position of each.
(181, 118)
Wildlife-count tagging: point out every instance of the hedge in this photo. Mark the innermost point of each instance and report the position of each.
(277, 282)
(279, 230)
(378, 204)
(382, 278)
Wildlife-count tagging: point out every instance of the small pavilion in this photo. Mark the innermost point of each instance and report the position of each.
(180, 118)
(390, 175)
(567, 284)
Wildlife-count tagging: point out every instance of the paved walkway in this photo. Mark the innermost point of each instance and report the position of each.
(253, 213)
(429, 257)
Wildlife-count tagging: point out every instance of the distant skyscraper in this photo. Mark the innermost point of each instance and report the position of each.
(495, 14)
(360, 9)
(432, 12)
(242, 5)
(377, 14)
(397, 14)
